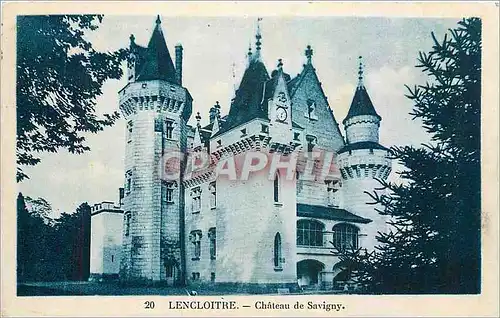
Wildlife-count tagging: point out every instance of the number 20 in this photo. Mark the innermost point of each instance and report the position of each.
(149, 304)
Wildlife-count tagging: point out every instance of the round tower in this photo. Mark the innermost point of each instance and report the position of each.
(362, 161)
(156, 108)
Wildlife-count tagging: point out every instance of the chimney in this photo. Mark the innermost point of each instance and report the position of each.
(121, 195)
(178, 63)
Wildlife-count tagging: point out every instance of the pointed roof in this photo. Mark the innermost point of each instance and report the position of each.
(247, 102)
(361, 102)
(158, 63)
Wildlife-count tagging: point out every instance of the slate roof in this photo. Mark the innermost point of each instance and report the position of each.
(328, 213)
(246, 104)
(361, 104)
(158, 63)
(362, 145)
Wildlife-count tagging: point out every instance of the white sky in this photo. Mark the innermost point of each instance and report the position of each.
(211, 45)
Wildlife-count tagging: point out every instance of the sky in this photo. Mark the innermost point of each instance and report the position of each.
(214, 61)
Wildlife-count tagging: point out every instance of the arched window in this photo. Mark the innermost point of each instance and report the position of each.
(345, 236)
(277, 187)
(277, 251)
(310, 233)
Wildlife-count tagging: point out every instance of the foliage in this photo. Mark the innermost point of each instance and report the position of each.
(435, 217)
(49, 250)
(59, 76)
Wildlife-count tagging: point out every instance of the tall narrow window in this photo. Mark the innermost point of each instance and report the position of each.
(169, 270)
(129, 130)
(345, 236)
(213, 194)
(196, 240)
(128, 181)
(213, 242)
(277, 251)
(169, 129)
(169, 192)
(128, 217)
(277, 187)
(196, 199)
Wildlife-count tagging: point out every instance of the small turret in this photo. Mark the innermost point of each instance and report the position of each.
(362, 121)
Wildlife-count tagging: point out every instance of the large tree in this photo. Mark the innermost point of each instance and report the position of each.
(59, 76)
(434, 244)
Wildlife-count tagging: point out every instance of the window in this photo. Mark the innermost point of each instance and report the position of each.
(277, 252)
(309, 233)
(243, 132)
(169, 270)
(196, 200)
(169, 192)
(311, 142)
(345, 236)
(128, 217)
(212, 277)
(112, 258)
(264, 128)
(311, 109)
(213, 194)
(158, 125)
(128, 181)
(276, 188)
(332, 186)
(196, 240)
(129, 130)
(213, 242)
(195, 276)
(169, 129)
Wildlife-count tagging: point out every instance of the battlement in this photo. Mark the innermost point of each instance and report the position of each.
(156, 95)
(364, 163)
(105, 206)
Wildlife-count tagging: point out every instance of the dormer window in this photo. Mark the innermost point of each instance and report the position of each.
(296, 136)
(311, 110)
(219, 143)
(243, 132)
(311, 142)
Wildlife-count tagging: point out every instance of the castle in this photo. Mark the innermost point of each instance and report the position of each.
(252, 220)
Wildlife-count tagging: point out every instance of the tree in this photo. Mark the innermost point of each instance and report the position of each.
(434, 243)
(59, 76)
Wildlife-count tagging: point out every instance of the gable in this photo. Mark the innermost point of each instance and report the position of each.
(304, 89)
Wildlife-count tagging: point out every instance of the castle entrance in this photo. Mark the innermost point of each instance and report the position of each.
(308, 272)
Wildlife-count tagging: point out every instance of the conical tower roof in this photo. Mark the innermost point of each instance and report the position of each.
(158, 64)
(361, 103)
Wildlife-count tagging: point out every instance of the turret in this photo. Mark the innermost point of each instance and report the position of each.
(362, 121)
(156, 108)
(362, 161)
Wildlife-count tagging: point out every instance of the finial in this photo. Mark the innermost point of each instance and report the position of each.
(198, 118)
(309, 54)
(217, 104)
(280, 64)
(132, 39)
(249, 54)
(258, 36)
(158, 20)
(360, 72)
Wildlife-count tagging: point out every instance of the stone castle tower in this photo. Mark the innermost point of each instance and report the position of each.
(156, 107)
(363, 160)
